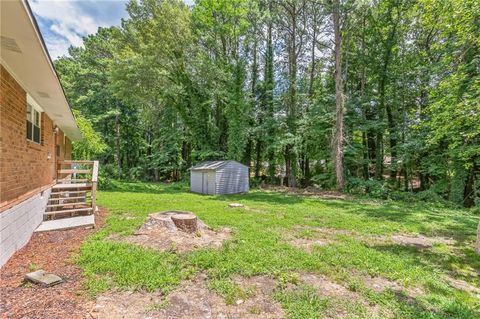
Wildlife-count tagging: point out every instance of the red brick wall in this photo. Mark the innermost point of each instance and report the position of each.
(68, 149)
(24, 166)
(65, 151)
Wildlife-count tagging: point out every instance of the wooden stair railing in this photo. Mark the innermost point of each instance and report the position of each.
(76, 190)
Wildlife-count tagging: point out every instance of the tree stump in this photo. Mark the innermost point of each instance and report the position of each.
(185, 222)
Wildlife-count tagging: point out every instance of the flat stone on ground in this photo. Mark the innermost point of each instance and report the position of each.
(43, 278)
(235, 205)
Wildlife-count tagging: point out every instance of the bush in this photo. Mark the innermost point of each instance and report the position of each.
(106, 173)
(372, 188)
(323, 180)
(429, 195)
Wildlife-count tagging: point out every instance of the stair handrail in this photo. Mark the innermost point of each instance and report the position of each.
(94, 185)
(94, 179)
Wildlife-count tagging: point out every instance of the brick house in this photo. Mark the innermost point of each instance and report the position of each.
(37, 128)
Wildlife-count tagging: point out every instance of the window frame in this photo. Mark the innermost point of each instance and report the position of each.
(35, 114)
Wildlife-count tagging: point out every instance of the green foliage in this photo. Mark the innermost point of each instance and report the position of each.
(372, 188)
(92, 146)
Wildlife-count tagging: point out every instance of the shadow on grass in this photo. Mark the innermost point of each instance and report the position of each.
(448, 263)
(272, 198)
(141, 187)
(430, 220)
(418, 309)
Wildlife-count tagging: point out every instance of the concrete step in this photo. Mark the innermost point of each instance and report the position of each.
(66, 223)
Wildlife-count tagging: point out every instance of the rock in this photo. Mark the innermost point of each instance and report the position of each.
(239, 301)
(43, 278)
(235, 205)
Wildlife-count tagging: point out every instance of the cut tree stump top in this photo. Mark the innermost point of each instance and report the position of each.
(185, 222)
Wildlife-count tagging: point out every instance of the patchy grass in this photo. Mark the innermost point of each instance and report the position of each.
(258, 246)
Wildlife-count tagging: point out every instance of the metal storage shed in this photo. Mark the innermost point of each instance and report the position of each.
(219, 177)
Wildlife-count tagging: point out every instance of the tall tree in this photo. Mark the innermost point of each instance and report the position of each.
(339, 103)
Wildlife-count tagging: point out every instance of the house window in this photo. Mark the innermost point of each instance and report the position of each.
(33, 124)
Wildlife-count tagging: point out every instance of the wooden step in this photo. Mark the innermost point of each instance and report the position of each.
(73, 180)
(84, 162)
(72, 171)
(56, 199)
(67, 204)
(59, 192)
(65, 186)
(74, 210)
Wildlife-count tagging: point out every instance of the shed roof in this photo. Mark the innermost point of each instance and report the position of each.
(212, 165)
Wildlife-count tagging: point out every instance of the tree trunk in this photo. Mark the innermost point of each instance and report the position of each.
(305, 155)
(469, 192)
(338, 135)
(259, 138)
(290, 156)
(363, 80)
(117, 144)
(269, 86)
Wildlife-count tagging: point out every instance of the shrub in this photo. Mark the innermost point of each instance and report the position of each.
(372, 188)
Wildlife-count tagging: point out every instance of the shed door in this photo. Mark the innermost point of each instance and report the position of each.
(204, 183)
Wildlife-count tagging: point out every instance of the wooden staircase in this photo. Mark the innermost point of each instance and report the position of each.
(75, 191)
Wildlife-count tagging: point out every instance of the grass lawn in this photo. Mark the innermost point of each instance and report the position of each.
(260, 245)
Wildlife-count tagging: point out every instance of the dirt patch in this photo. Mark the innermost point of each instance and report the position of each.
(160, 232)
(309, 191)
(325, 232)
(51, 251)
(328, 288)
(342, 295)
(260, 303)
(126, 304)
(420, 241)
(191, 300)
(462, 285)
(380, 284)
(309, 244)
(308, 237)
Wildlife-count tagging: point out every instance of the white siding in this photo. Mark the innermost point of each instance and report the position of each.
(214, 179)
(212, 183)
(196, 181)
(232, 178)
(18, 223)
(203, 182)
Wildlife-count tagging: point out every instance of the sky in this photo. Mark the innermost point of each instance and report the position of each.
(65, 22)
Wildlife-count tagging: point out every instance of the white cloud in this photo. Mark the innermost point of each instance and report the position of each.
(72, 37)
(65, 22)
